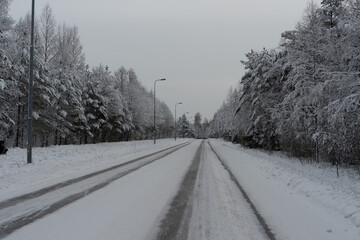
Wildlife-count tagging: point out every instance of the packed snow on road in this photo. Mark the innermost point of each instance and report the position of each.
(292, 200)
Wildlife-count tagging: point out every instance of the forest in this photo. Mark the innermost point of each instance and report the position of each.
(72, 103)
(302, 97)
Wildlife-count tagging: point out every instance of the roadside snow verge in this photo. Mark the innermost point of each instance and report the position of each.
(297, 201)
(55, 164)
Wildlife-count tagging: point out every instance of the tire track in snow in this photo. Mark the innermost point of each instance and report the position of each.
(9, 226)
(18, 199)
(262, 221)
(174, 225)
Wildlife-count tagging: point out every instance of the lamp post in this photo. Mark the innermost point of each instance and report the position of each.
(175, 119)
(31, 76)
(162, 79)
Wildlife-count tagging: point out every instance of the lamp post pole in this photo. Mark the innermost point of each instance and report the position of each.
(175, 120)
(31, 76)
(162, 79)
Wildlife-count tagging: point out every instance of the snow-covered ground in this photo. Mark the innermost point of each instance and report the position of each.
(129, 208)
(59, 163)
(297, 201)
(219, 211)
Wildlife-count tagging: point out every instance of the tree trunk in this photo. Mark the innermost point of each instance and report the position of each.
(56, 137)
(22, 127)
(17, 136)
(317, 152)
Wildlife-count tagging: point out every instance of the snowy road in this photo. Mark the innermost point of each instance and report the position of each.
(220, 210)
(210, 205)
(204, 190)
(22, 210)
(188, 189)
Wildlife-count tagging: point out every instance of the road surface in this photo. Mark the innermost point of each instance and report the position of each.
(184, 192)
(210, 205)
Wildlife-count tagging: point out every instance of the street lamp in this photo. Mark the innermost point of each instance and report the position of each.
(31, 76)
(162, 79)
(175, 119)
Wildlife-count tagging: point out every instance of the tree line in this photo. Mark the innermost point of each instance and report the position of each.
(72, 104)
(198, 129)
(302, 97)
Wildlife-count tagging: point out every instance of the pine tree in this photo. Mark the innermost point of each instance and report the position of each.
(69, 68)
(331, 11)
(183, 127)
(8, 86)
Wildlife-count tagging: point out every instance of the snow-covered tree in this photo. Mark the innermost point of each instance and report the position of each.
(261, 91)
(68, 67)
(331, 11)
(8, 85)
(48, 35)
(43, 88)
(183, 127)
(71, 103)
(197, 124)
(304, 96)
(105, 106)
(166, 120)
(225, 123)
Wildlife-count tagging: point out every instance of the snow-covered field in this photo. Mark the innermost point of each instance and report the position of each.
(297, 201)
(59, 163)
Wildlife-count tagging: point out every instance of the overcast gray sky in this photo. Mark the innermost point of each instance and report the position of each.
(196, 44)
